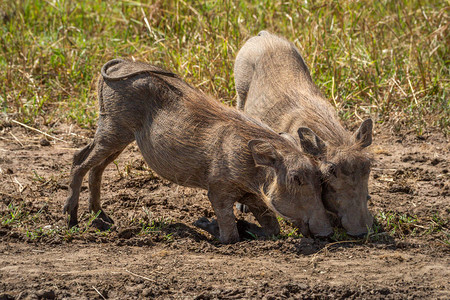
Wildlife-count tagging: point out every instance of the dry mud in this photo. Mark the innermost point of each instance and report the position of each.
(174, 259)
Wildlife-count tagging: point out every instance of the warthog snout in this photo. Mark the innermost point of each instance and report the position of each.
(295, 194)
(314, 227)
(345, 190)
(357, 227)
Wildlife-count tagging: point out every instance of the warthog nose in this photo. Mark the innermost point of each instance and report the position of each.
(359, 236)
(321, 232)
(325, 235)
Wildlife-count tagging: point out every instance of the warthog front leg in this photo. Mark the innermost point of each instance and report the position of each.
(266, 218)
(84, 160)
(222, 204)
(246, 229)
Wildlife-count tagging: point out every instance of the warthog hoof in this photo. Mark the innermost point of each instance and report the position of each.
(72, 222)
(246, 230)
(212, 227)
(249, 231)
(102, 222)
(242, 208)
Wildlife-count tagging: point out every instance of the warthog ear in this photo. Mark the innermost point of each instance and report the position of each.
(310, 142)
(263, 153)
(364, 133)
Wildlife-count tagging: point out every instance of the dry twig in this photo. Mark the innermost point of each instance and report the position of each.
(37, 130)
(98, 292)
(140, 276)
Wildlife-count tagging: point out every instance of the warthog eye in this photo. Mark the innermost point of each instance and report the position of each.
(332, 170)
(297, 180)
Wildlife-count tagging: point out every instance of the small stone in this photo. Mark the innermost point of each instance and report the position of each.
(435, 161)
(44, 142)
(148, 293)
(14, 235)
(421, 138)
(6, 297)
(128, 233)
(42, 294)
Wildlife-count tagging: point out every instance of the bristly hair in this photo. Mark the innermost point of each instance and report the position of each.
(301, 99)
(266, 199)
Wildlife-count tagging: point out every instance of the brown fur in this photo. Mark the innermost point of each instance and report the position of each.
(274, 84)
(192, 140)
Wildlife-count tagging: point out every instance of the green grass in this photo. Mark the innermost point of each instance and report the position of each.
(33, 224)
(36, 225)
(387, 59)
(398, 224)
(388, 225)
(392, 224)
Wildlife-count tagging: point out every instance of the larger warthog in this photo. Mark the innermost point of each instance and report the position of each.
(192, 140)
(274, 84)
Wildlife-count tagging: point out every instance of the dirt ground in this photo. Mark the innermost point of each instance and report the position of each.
(154, 251)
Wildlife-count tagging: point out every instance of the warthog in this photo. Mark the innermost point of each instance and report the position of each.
(274, 84)
(192, 140)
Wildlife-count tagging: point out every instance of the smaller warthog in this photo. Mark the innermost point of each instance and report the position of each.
(274, 85)
(192, 140)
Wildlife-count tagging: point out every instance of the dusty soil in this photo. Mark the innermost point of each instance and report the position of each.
(171, 258)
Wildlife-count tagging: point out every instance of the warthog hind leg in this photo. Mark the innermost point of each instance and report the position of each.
(103, 221)
(108, 143)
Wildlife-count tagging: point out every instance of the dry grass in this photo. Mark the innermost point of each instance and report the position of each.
(387, 59)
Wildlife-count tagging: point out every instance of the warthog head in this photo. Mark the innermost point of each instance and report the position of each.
(293, 187)
(345, 175)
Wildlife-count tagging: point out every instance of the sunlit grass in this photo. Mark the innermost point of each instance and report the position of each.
(34, 225)
(388, 225)
(387, 59)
